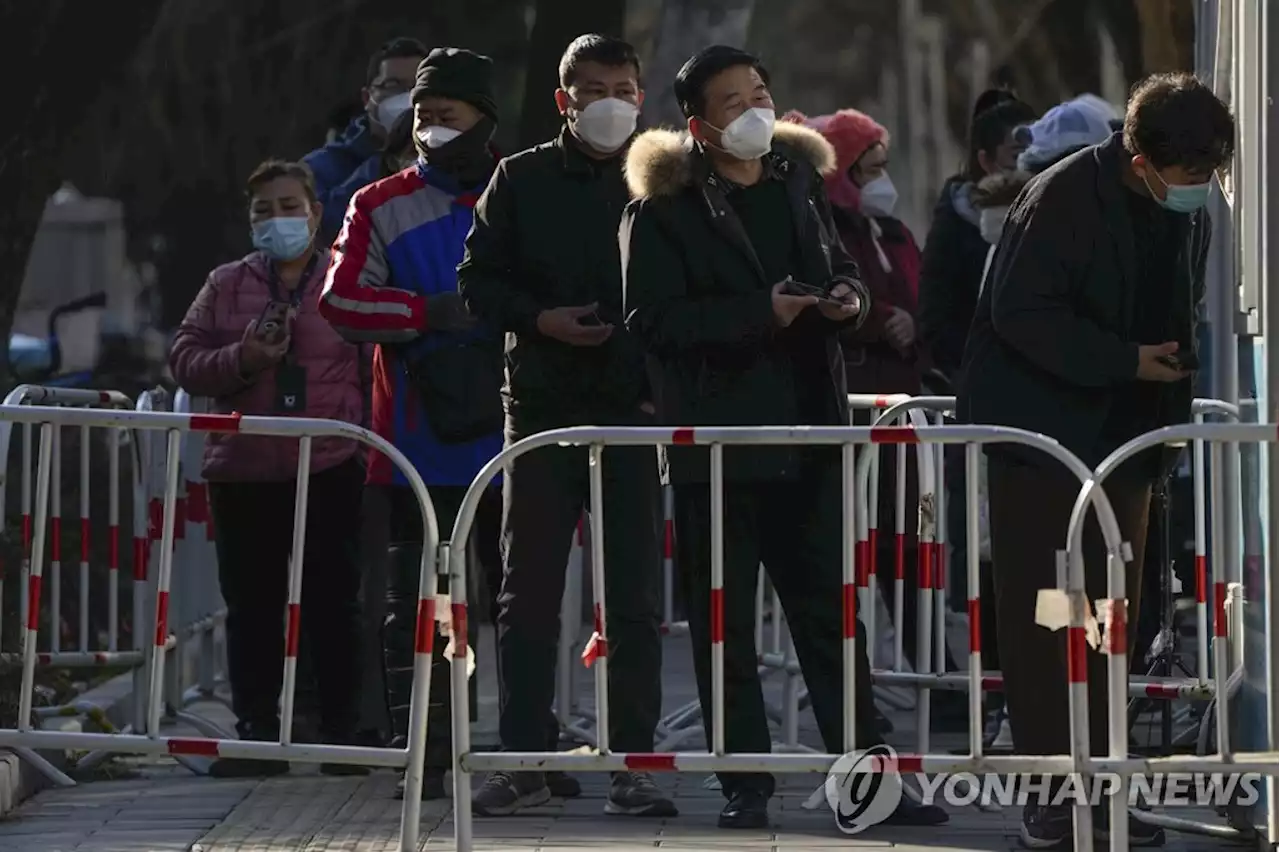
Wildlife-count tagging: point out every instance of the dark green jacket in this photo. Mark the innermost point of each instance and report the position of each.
(546, 236)
(699, 301)
(1049, 350)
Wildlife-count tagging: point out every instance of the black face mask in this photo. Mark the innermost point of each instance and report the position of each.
(466, 157)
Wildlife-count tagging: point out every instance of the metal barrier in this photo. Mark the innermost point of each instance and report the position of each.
(88, 653)
(716, 438)
(932, 561)
(174, 426)
(1113, 618)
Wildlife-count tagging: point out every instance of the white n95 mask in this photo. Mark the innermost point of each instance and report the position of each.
(750, 135)
(606, 124)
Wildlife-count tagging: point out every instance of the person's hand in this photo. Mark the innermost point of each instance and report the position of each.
(257, 354)
(565, 325)
(1152, 369)
(843, 304)
(900, 328)
(447, 312)
(786, 307)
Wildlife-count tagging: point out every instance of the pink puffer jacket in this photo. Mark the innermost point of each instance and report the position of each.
(205, 361)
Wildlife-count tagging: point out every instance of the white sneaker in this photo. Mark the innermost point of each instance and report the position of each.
(1004, 737)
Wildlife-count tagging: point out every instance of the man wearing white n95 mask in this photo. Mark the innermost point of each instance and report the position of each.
(542, 265)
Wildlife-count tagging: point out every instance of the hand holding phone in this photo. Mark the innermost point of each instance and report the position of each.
(275, 323)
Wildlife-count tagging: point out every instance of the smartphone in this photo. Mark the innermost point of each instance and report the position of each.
(799, 288)
(273, 324)
(1186, 363)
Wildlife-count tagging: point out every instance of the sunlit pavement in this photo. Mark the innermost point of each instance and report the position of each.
(169, 808)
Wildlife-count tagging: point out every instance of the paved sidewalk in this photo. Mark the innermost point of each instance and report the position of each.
(168, 809)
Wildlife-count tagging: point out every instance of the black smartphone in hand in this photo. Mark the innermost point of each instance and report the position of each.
(799, 288)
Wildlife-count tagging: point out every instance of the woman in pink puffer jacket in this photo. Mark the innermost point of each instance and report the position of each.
(229, 348)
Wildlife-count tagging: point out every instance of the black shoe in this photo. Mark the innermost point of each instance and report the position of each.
(1046, 827)
(432, 785)
(746, 809)
(635, 794)
(1141, 835)
(916, 814)
(504, 793)
(243, 767)
(563, 785)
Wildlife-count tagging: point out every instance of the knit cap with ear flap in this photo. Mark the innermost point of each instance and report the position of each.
(852, 134)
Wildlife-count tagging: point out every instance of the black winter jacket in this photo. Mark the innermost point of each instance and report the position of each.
(950, 276)
(1049, 350)
(545, 236)
(698, 299)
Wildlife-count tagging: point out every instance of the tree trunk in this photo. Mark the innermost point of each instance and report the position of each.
(99, 40)
(559, 22)
(686, 27)
(1168, 35)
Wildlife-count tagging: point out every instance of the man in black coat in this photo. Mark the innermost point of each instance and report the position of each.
(542, 264)
(1086, 333)
(737, 285)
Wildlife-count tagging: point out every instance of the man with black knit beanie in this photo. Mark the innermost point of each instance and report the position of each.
(437, 372)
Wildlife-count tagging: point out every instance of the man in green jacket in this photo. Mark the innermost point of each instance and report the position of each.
(542, 264)
(737, 286)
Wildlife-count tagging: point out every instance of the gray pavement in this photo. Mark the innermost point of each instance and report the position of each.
(166, 807)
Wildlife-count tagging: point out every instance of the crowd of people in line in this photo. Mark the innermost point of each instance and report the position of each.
(745, 269)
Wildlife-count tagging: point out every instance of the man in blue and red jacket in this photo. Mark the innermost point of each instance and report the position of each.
(392, 281)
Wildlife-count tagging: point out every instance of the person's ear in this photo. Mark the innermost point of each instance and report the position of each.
(365, 97)
(562, 101)
(639, 98)
(695, 129)
(986, 162)
(317, 211)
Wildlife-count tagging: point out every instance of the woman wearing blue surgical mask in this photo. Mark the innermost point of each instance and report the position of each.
(253, 342)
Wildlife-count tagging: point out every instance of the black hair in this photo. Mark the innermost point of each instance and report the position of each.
(593, 47)
(990, 98)
(989, 129)
(270, 170)
(401, 47)
(691, 79)
(1176, 120)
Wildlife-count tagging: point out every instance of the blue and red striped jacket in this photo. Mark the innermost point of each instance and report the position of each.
(401, 241)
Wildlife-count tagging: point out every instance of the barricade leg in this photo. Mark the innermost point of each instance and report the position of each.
(55, 545)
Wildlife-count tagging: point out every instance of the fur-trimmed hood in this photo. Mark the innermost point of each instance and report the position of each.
(661, 162)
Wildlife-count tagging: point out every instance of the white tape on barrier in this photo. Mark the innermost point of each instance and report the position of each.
(1106, 608)
(444, 617)
(1053, 611)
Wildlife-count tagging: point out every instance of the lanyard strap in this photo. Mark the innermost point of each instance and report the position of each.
(295, 295)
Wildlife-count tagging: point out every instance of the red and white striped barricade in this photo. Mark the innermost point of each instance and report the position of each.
(1166, 688)
(1113, 618)
(174, 426)
(88, 651)
(603, 759)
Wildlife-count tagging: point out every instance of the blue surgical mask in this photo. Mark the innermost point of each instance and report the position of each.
(283, 237)
(1181, 198)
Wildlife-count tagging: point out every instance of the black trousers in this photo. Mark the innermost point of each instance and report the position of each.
(253, 528)
(1030, 507)
(403, 569)
(544, 495)
(794, 528)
